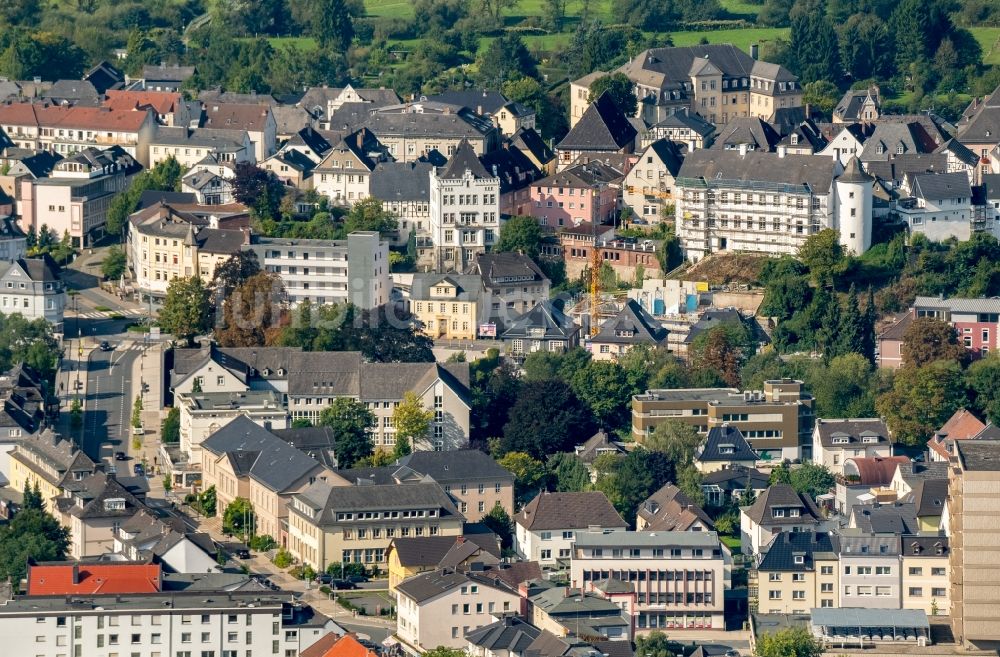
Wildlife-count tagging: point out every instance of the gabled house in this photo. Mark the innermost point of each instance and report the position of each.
(508, 637)
(513, 283)
(26, 407)
(579, 193)
(926, 573)
(630, 327)
(979, 127)
(256, 120)
(440, 607)
(92, 509)
(799, 572)
(670, 510)
(51, 462)
(602, 128)
(834, 441)
(908, 475)
(858, 106)
(405, 190)
(724, 447)
(564, 611)
(962, 425)
(291, 167)
(747, 134)
(546, 527)
(648, 187)
(865, 479)
(870, 572)
(733, 484)
(245, 460)
(599, 444)
(344, 175)
(413, 555)
(516, 172)
(779, 509)
(447, 305)
(543, 328)
(145, 537)
(848, 142)
(529, 142)
(684, 127)
(165, 78)
(937, 205)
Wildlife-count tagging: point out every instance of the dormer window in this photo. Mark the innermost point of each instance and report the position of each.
(281, 371)
(841, 440)
(794, 513)
(880, 149)
(899, 149)
(777, 513)
(266, 371)
(870, 440)
(114, 504)
(799, 559)
(726, 449)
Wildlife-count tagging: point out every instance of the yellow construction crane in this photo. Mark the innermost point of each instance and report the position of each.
(595, 286)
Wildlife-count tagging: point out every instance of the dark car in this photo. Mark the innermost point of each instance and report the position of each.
(138, 470)
(357, 579)
(120, 456)
(324, 578)
(342, 585)
(106, 346)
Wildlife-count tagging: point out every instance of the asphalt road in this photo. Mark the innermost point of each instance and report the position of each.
(109, 402)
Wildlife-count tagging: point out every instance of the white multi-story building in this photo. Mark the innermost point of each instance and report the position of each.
(204, 413)
(329, 271)
(464, 209)
(545, 529)
(769, 202)
(679, 578)
(163, 624)
(31, 287)
(938, 205)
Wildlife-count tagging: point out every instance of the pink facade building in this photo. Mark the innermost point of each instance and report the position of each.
(977, 322)
(585, 193)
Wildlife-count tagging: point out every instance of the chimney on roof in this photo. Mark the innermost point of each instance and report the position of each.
(76, 573)
(754, 50)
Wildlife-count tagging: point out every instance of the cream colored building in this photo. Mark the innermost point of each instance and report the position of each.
(50, 461)
(204, 413)
(974, 531)
(92, 509)
(344, 175)
(355, 524)
(800, 572)
(245, 460)
(926, 574)
(447, 304)
(440, 607)
(649, 186)
(190, 146)
(164, 244)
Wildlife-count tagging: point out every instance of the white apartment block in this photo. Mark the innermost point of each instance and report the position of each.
(329, 271)
(679, 578)
(739, 201)
(174, 624)
(464, 209)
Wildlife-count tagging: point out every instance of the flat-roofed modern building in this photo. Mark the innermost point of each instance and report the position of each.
(679, 578)
(777, 421)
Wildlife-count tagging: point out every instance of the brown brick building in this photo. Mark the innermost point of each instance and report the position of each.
(776, 421)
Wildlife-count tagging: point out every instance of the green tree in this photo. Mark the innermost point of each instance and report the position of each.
(186, 312)
(811, 479)
(654, 644)
(866, 45)
(207, 500)
(76, 413)
(814, 48)
(569, 474)
(170, 430)
(845, 387)
(234, 271)
(114, 264)
(258, 189)
(137, 412)
(494, 12)
(821, 94)
(677, 440)
(723, 349)
(499, 522)
(650, 15)
(929, 339)
(253, 314)
(520, 234)
(238, 518)
(505, 58)
(330, 22)
(368, 214)
(983, 378)
(621, 90)
(31, 497)
(922, 399)
(553, 14)
(823, 254)
(350, 421)
(780, 474)
(547, 417)
(604, 387)
(411, 419)
(529, 473)
(441, 651)
(689, 480)
(33, 534)
(788, 642)
(630, 479)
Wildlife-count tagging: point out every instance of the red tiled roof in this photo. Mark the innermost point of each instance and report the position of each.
(162, 102)
(333, 646)
(59, 116)
(877, 470)
(75, 579)
(962, 425)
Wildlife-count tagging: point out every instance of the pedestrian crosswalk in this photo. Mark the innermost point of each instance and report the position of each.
(113, 314)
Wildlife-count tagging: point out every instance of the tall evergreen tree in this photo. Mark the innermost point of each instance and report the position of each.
(868, 337)
(814, 48)
(852, 326)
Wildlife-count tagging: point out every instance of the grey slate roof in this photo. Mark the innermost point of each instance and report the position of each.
(588, 175)
(670, 153)
(854, 172)
(603, 127)
(546, 315)
(510, 633)
(942, 186)
(850, 104)
(735, 478)
(725, 443)
(896, 518)
(456, 466)
(568, 511)
(851, 546)
(890, 136)
(329, 500)
(500, 270)
(277, 465)
(855, 430)
(484, 101)
(780, 556)
(813, 171)
(685, 118)
(167, 73)
(930, 497)
(468, 287)
(426, 586)
(782, 495)
(632, 325)
(511, 166)
(898, 168)
(749, 130)
(669, 509)
(464, 159)
(430, 550)
(527, 139)
(401, 181)
(462, 124)
(928, 546)
(599, 443)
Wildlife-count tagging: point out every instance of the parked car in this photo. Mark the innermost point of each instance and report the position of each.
(357, 579)
(120, 456)
(138, 470)
(106, 346)
(342, 585)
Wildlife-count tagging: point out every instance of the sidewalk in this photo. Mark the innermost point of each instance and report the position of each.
(146, 369)
(73, 368)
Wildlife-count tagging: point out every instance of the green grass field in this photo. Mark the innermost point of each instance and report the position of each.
(989, 41)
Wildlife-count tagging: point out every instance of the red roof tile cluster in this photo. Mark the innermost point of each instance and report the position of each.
(60, 116)
(963, 425)
(333, 646)
(162, 102)
(89, 579)
(877, 470)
